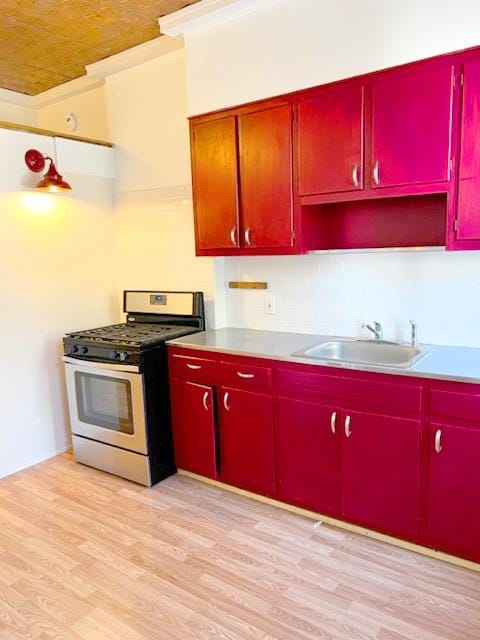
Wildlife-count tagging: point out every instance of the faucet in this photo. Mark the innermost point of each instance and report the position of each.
(413, 333)
(376, 330)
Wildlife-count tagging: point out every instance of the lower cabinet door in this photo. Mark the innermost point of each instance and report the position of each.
(193, 423)
(381, 472)
(246, 436)
(453, 493)
(308, 455)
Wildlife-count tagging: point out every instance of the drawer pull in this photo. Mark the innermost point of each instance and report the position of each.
(355, 176)
(194, 366)
(246, 376)
(226, 403)
(438, 441)
(348, 433)
(205, 400)
(333, 421)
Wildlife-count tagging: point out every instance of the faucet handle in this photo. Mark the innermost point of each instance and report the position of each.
(413, 332)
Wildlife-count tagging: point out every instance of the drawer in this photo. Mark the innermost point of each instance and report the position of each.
(245, 375)
(192, 368)
(351, 392)
(454, 404)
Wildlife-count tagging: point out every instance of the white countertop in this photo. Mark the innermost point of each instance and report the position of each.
(460, 364)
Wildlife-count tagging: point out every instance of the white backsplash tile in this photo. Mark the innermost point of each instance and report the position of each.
(337, 293)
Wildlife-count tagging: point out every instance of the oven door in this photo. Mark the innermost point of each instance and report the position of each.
(106, 403)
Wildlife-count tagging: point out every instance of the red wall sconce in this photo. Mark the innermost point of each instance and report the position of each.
(52, 180)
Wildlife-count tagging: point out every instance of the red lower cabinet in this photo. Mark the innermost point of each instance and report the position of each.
(194, 427)
(453, 498)
(246, 435)
(381, 472)
(308, 455)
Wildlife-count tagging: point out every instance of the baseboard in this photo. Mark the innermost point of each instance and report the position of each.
(397, 542)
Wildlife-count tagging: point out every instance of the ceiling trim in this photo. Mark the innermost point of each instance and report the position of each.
(98, 71)
(205, 14)
(65, 90)
(134, 56)
(14, 97)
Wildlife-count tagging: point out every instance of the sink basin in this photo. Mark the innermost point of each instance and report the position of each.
(387, 354)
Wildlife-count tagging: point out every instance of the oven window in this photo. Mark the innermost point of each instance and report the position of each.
(104, 401)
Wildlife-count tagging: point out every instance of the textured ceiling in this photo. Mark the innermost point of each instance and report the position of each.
(44, 43)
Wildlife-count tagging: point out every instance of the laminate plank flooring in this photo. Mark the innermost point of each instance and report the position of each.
(88, 556)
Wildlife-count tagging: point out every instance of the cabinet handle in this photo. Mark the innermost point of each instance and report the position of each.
(438, 441)
(348, 433)
(333, 422)
(247, 376)
(376, 172)
(248, 239)
(355, 176)
(205, 400)
(233, 236)
(194, 366)
(226, 403)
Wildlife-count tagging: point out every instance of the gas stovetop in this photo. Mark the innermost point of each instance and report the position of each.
(130, 335)
(152, 318)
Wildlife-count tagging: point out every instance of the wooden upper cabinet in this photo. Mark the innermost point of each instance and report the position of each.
(411, 126)
(215, 188)
(469, 170)
(330, 141)
(266, 177)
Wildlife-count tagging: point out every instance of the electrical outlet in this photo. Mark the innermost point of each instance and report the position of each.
(269, 304)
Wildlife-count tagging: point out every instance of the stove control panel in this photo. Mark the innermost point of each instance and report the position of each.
(102, 353)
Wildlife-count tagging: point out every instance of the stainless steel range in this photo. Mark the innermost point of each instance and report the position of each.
(117, 385)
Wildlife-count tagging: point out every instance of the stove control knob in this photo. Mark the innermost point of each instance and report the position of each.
(74, 349)
(115, 355)
(83, 350)
(123, 356)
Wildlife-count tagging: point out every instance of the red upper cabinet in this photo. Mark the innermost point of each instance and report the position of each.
(411, 126)
(453, 502)
(468, 214)
(330, 135)
(214, 170)
(246, 433)
(308, 462)
(193, 413)
(266, 178)
(381, 472)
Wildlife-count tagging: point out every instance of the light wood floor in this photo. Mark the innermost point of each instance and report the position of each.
(87, 556)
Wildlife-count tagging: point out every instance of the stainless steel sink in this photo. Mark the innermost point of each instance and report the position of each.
(379, 353)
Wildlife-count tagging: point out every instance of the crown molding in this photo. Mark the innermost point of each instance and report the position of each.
(13, 97)
(207, 13)
(98, 71)
(134, 56)
(65, 90)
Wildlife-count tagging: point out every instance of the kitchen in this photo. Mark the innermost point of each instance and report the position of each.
(67, 268)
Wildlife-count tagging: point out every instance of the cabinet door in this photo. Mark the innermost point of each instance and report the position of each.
(381, 461)
(246, 435)
(193, 424)
(214, 168)
(330, 142)
(308, 455)
(469, 171)
(411, 127)
(266, 177)
(453, 505)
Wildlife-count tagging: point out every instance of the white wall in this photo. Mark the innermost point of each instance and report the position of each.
(17, 108)
(286, 45)
(55, 276)
(153, 213)
(88, 107)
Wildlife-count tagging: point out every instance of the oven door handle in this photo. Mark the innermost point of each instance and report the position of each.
(92, 364)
